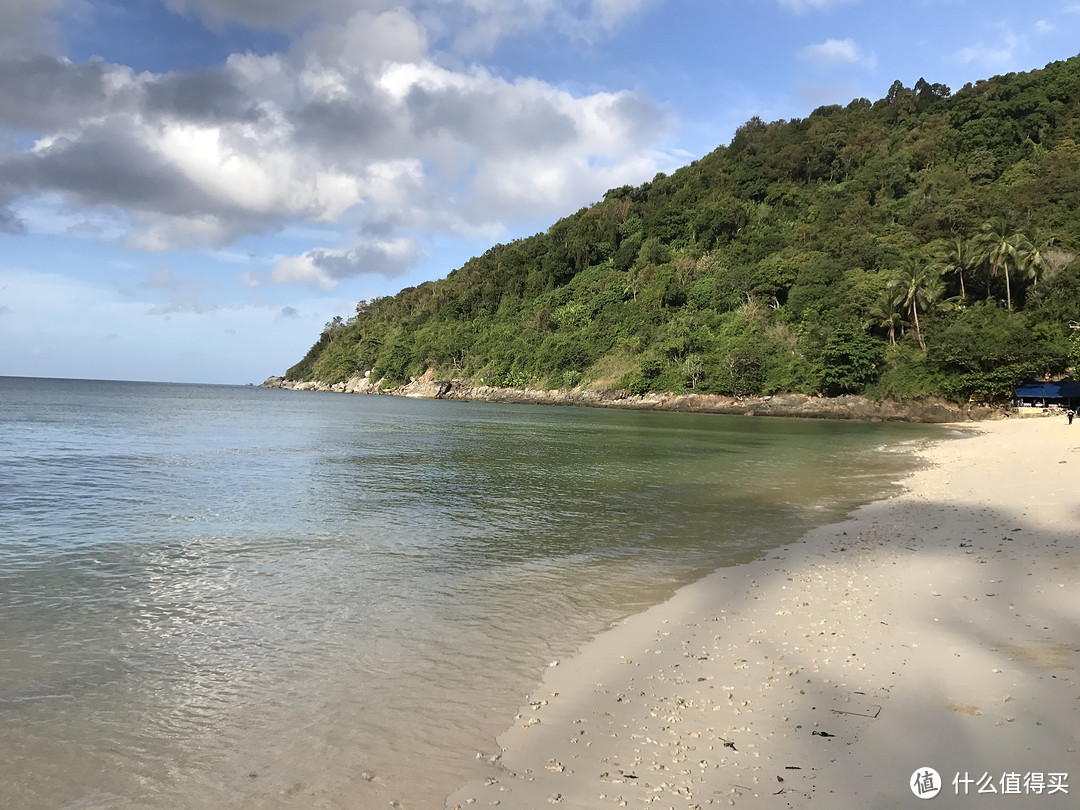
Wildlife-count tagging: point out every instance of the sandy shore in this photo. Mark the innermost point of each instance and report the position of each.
(939, 628)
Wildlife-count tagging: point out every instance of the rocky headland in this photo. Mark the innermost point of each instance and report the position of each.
(929, 410)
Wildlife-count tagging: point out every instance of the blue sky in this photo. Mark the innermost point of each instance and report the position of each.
(190, 189)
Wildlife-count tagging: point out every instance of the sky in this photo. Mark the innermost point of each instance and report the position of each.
(191, 189)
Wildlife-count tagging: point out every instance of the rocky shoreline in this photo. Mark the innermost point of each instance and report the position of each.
(930, 410)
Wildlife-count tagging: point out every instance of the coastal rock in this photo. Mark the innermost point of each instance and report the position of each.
(360, 385)
(929, 410)
(425, 389)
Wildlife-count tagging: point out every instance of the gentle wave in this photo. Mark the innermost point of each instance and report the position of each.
(215, 596)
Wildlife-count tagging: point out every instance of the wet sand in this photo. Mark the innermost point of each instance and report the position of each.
(937, 629)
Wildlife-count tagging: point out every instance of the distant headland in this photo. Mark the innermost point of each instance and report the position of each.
(920, 249)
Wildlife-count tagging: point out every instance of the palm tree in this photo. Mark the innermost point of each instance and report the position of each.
(957, 257)
(887, 312)
(1000, 247)
(1035, 256)
(934, 299)
(914, 285)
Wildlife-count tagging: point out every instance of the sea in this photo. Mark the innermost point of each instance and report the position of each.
(233, 597)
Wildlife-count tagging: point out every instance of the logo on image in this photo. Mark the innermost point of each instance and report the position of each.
(925, 783)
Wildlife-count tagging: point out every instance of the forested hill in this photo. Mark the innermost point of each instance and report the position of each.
(921, 244)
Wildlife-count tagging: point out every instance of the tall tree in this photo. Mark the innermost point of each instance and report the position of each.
(887, 312)
(914, 286)
(957, 258)
(1000, 248)
(1035, 255)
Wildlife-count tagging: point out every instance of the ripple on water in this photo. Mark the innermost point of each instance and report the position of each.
(217, 596)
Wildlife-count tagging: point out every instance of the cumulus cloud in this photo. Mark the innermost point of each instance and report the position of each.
(356, 123)
(834, 52)
(10, 222)
(42, 92)
(25, 25)
(325, 267)
(366, 38)
(209, 96)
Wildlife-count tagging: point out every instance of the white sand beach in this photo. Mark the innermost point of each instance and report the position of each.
(936, 629)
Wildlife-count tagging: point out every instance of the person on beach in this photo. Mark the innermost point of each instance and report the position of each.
(1070, 416)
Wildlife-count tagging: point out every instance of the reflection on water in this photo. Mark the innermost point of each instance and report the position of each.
(231, 597)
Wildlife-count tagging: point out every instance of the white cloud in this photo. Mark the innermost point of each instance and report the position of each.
(164, 278)
(609, 14)
(833, 52)
(997, 55)
(284, 15)
(190, 306)
(324, 267)
(800, 6)
(355, 125)
(367, 39)
(157, 231)
(469, 26)
(488, 21)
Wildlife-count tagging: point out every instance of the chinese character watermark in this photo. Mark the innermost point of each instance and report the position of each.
(925, 783)
(1010, 783)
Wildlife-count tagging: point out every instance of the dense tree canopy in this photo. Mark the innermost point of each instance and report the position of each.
(921, 244)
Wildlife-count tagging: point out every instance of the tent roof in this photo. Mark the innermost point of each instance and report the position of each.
(1066, 389)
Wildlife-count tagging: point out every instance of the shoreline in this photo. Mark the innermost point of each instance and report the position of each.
(931, 410)
(937, 628)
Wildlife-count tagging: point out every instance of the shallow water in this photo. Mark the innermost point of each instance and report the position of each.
(221, 596)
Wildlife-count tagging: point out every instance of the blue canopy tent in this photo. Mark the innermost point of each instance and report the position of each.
(1064, 394)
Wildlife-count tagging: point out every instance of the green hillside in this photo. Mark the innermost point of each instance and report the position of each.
(920, 244)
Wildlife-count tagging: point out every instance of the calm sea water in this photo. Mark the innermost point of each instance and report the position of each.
(232, 597)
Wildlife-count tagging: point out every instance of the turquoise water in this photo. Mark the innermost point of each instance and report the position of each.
(221, 596)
